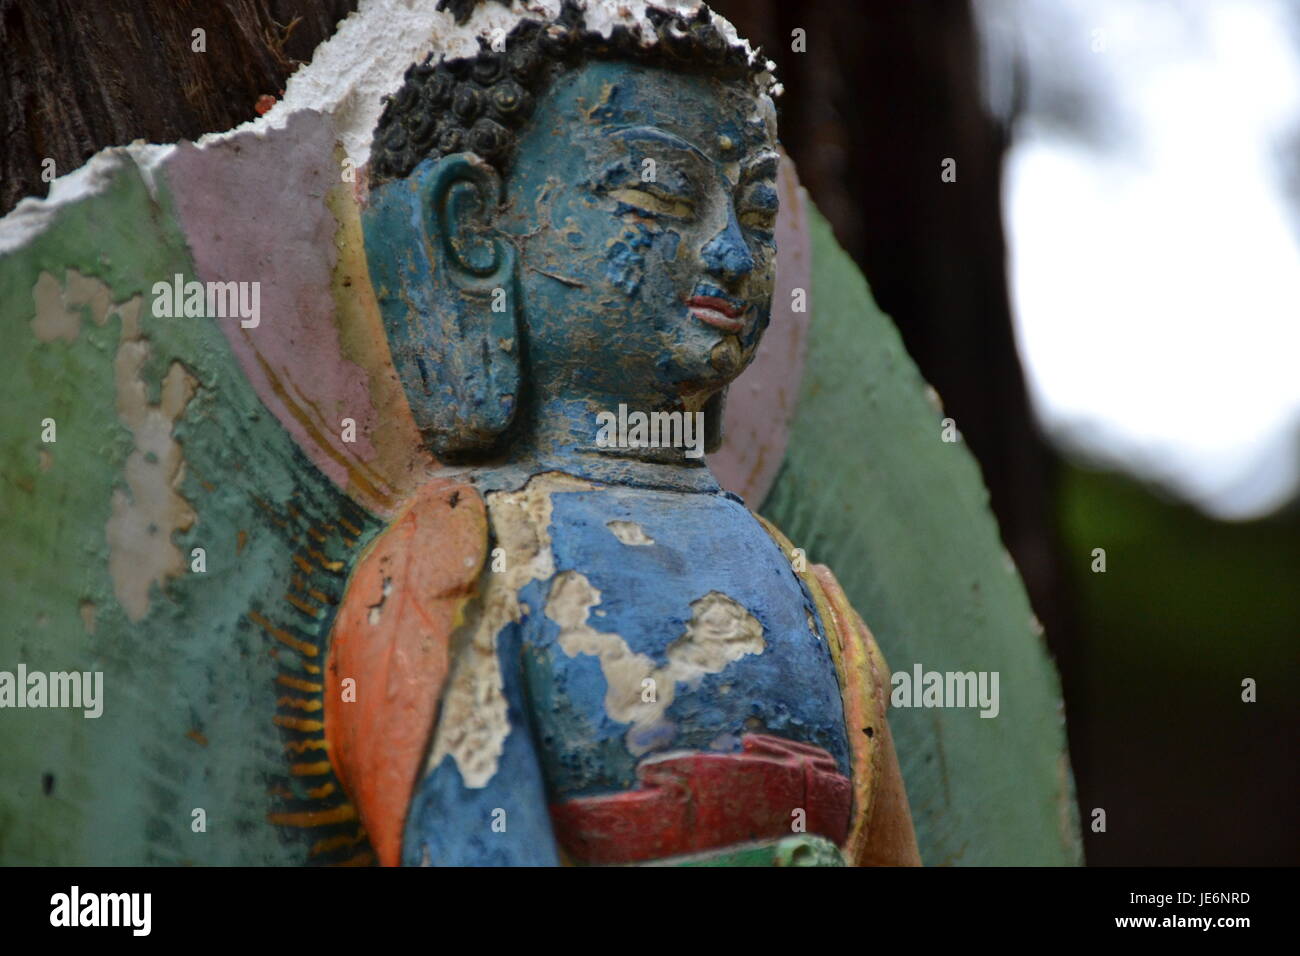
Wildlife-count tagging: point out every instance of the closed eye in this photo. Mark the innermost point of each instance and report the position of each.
(758, 208)
(658, 204)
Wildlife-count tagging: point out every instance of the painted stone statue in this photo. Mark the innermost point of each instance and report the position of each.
(572, 646)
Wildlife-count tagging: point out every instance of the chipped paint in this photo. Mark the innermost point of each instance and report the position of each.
(763, 402)
(474, 725)
(376, 610)
(280, 176)
(630, 533)
(151, 508)
(225, 423)
(571, 599)
(86, 258)
(295, 358)
(141, 550)
(400, 455)
(59, 306)
(720, 631)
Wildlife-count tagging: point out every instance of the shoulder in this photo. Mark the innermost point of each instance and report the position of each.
(881, 831)
(392, 639)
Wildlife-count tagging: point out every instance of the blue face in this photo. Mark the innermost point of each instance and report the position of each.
(642, 203)
(626, 257)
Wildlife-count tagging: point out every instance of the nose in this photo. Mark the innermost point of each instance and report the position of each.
(726, 256)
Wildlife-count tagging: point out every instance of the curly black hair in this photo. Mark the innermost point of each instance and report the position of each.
(478, 104)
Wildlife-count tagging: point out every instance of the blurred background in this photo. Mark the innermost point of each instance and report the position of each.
(1107, 299)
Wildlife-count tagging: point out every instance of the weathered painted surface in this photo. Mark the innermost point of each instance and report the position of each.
(791, 851)
(730, 646)
(761, 405)
(161, 447)
(903, 518)
(415, 582)
(177, 433)
(580, 260)
(687, 803)
(317, 356)
(616, 251)
(557, 706)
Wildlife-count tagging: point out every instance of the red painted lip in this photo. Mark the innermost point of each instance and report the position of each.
(716, 312)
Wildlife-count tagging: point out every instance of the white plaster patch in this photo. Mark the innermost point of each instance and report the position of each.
(377, 610)
(365, 59)
(34, 215)
(141, 552)
(720, 631)
(140, 548)
(570, 601)
(58, 306)
(630, 533)
(345, 83)
(474, 724)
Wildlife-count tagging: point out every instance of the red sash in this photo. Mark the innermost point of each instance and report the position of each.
(691, 802)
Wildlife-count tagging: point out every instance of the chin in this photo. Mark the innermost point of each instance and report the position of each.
(709, 366)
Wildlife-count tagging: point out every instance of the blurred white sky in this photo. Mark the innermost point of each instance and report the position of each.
(1153, 255)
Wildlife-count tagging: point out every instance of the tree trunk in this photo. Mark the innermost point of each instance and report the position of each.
(80, 76)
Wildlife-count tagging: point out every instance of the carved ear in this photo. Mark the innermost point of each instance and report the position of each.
(459, 198)
(447, 289)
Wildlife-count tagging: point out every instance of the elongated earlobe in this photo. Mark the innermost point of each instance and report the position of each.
(448, 293)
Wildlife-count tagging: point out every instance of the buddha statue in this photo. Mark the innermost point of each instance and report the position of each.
(572, 646)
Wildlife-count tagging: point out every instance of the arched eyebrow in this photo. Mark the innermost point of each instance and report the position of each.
(760, 166)
(653, 134)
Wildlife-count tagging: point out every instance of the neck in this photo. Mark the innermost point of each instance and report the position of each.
(618, 442)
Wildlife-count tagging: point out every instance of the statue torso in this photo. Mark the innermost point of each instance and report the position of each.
(642, 674)
(672, 622)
